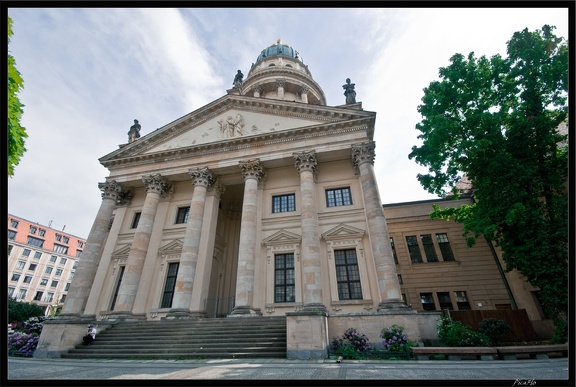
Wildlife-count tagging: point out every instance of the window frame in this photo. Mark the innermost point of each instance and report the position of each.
(351, 272)
(286, 291)
(283, 203)
(343, 200)
(168, 290)
(182, 215)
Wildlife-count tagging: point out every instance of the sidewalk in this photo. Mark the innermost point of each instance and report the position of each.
(506, 372)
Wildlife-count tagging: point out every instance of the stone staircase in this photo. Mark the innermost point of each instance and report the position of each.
(231, 337)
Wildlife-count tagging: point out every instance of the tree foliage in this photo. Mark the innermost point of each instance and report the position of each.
(19, 311)
(16, 132)
(495, 120)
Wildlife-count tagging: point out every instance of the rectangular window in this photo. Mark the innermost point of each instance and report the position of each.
(182, 215)
(33, 229)
(48, 270)
(135, 220)
(11, 235)
(14, 223)
(347, 275)
(78, 253)
(393, 250)
(58, 237)
(67, 286)
(63, 261)
(445, 249)
(71, 276)
(60, 249)
(63, 298)
(26, 252)
(32, 267)
(11, 292)
(35, 242)
(10, 247)
(168, 294)
(15, 277)
(53, 259)
(284, 279)
(413, 249)
(49, 297)
(445, 301)
(54, 284)
(58, 272)
(38, 255)
(75, 265)
(27, 279)
(80, 244)
(429, 249)
(283, 203)
(66, 239)
(427, 301)
(20, 264)
(41, 232)
(338, 197)
(22, 294)
(462, 301)
(44, 281)
(400, 280)
(38, 296)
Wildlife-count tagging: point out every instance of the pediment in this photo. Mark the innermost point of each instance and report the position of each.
(122, 252)
(343, 231)
(283, 237)
(231, 119)
(174, 247)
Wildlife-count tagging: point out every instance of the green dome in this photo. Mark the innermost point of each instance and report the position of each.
(279, 49)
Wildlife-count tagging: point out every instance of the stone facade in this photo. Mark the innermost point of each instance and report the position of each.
(263, 202)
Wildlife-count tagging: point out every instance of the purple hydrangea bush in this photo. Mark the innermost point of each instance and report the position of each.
(395, 340)
(352, 344)
(24, 339)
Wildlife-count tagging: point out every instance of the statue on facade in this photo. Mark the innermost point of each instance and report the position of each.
(349, 92)
(238, 80)
(134, 132)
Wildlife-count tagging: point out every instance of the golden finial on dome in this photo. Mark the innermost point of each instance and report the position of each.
(279, 41)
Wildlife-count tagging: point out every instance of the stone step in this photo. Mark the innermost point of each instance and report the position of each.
(197, 338)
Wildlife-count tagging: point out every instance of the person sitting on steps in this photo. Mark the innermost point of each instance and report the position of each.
(90, 335)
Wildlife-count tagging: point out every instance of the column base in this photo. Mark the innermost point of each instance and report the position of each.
(125, 316)
(314, 307)
(393, 304)
(245, 311)
(183, 314)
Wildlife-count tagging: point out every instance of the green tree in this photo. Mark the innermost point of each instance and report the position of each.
(16, 132)
(495, 120)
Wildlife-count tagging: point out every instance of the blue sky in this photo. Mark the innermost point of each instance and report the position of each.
(89, 72)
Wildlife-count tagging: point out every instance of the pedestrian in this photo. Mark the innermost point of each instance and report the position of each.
(90, 335)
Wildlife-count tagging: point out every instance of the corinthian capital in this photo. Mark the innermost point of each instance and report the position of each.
(202, 176)
(156, 183)
(252, 169)
(305, 161)
(112, 190)
(363, 153)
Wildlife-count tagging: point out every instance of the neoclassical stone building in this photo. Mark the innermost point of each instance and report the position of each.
(264, 202)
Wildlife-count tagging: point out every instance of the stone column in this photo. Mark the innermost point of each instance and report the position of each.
(306, 163)
(202, 178)
(304, 93)
(388, 284)
(156, 187)
(280, 87)
(75, 303)
(257, 91)
(253, 172)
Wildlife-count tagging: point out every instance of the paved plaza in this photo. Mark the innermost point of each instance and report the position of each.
(498, 372)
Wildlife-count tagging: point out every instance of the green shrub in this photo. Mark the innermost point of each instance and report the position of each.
(495, 329)
(352, 344)
(455, 334)
(561, 333)
(19, 311)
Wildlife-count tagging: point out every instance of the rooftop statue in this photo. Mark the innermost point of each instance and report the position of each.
(134, 132)
(238, 80)
(349, 92)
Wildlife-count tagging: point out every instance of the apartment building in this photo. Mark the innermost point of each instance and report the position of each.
(41, 262)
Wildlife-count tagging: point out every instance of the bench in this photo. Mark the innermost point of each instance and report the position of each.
(532, 351)
(456, 353)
